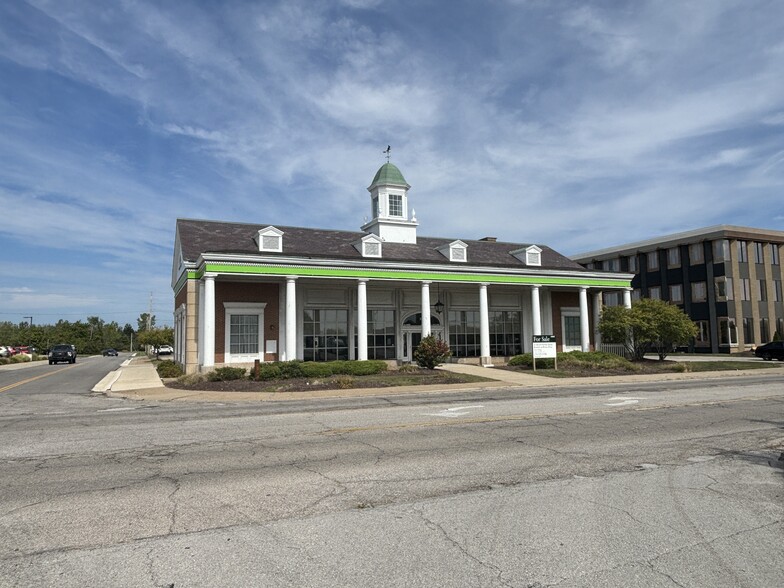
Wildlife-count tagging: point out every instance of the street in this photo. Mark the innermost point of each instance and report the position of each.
(650, 484)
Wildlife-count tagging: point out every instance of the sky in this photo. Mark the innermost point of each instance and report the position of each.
(579, 125)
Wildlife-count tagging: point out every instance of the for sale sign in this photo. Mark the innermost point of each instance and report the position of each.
(544, 346)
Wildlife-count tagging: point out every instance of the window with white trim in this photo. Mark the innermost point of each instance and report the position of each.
(270, 239)
(728, 332)
(702, 339)
(654, 292)
(699, 292)
(395, 205)
(676, 293)
(724, 289)
(244, 331)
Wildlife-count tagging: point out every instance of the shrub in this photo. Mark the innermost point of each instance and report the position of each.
(268, 371)
(432, 352)
(5, 360)
(225, 374)
(21, 358)
(576, 360)
(313, 369)
(409, 368)
(190, 379)
(523, 360)
(290, 369)
(169, 369)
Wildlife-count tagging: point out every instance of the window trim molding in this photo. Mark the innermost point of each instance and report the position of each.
(232, 308)
(269, 232)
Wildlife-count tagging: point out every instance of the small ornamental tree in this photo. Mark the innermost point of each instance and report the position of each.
(649, 325)
(431, 352)
(157, 337)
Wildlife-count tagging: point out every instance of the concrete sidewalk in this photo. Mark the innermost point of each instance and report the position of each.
(137, 379)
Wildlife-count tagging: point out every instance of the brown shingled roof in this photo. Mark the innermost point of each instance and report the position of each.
(201, 236)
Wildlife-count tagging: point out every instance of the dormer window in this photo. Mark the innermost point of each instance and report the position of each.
(395, 205)
(270, 239)
(369, 246)
(531, 255)
(455, 251)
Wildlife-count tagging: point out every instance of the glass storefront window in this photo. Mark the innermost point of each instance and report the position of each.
(325, 334)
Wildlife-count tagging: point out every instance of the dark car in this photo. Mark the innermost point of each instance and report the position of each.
(108, 352)
(772, 350)
(60, 353)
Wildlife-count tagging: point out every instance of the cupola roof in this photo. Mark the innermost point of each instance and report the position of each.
(388, 174)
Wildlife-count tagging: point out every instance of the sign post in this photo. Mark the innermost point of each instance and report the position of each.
(544, 348)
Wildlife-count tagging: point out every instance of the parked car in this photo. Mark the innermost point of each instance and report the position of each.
(5, 351)
(109, 352)
(60, 353)
(165, 350)
(772, 350)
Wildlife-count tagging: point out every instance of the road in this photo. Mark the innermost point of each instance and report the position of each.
(650, 485)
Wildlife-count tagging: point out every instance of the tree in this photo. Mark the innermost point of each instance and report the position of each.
(143, 319)
(431, 352)
(157, 337)
(649, 325)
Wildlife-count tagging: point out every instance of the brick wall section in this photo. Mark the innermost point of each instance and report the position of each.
(246, 292)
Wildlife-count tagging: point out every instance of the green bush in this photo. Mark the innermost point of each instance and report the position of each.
(268, 371)
(365, 368)
(432, 352)
(313, 369)
(5, 360)
(21, 358)
(169, 369)
(290, 369)
(576, 360)
(225, 374)
(523, 360)
(344, 382)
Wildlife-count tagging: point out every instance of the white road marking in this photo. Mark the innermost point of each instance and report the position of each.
(624, 401)
(454, 412)
(117, 409)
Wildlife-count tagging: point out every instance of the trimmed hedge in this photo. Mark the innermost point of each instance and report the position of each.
(226, 374)
(282, 370)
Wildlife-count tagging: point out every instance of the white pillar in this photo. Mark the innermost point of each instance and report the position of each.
(484, 327)
(291, 319)
(425, 309)
(585, 340)
(597, 315)
(536, 312)
(209, 321)
(627, 298)
(362, 351)
(200, 334)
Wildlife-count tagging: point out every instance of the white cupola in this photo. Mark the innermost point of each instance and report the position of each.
(390, 219)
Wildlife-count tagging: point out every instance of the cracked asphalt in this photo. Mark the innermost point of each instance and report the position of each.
(676, 484)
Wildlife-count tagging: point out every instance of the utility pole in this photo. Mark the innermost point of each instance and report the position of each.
(149, 314)
(31, 320)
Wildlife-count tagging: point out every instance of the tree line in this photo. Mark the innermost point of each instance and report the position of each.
(89, 336)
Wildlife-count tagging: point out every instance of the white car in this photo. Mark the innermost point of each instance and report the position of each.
(165, 350)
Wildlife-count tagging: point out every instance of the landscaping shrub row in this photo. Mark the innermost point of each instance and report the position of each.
(169, 369)
(577, 360)
(281, 370)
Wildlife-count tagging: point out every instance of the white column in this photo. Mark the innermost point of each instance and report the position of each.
(425, 309)
(200, 334)
(536, 312)
(209, 321)
(585, 340)
(291, 319)
(627, 298)
(484, 326)
(362, 352)
(597, 315)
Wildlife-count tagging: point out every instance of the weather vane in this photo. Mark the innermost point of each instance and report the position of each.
(388, 152)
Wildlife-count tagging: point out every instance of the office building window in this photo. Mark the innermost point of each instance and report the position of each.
(589, 265)
(743, 252)
(780, 327)
(758, 252)
(748, 330)
(777, 290)
(745, 289)
(696, 254)
(654, 292)
(703, 334)
(674, 257)
(612, 299)
(699, 292)
(676, 294)
(724, 289)
(633, 264)
(762, 288)
(764, 331)
(774, 254)
(653, 260)
(728, 332)
(636, 294)
(611, 265)
(721, 250)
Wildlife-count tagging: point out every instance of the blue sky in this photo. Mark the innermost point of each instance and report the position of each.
(580, 125)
